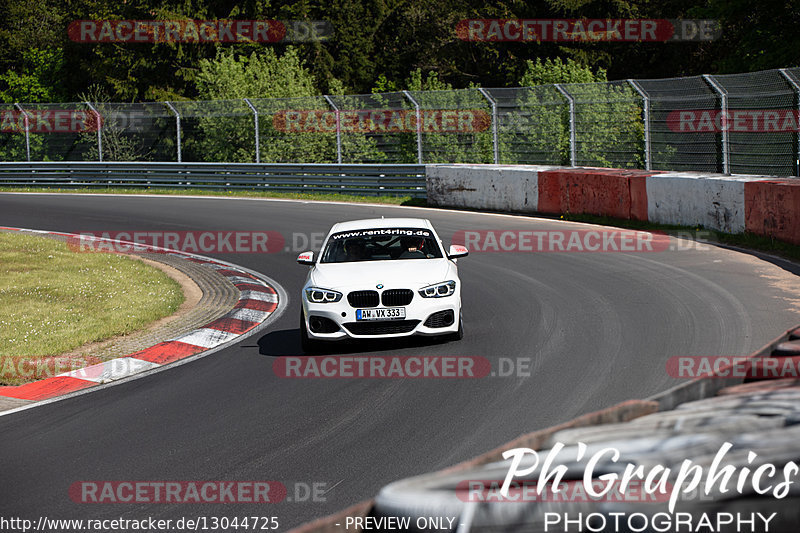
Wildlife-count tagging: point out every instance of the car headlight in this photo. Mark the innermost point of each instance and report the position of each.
(322, 296)
(439, 290)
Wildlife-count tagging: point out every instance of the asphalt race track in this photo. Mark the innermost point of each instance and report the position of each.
(599, 328)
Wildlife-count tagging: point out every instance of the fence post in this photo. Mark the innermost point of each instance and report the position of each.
(796, 88)
(494, 124)
(255, 125)
(338, 128)
(419, 126)
(648, 164)
(27, 130)
(573, 150)
(723, 95)
(177, 127)
(99, 131)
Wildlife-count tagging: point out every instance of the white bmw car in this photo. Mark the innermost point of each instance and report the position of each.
(381, 278)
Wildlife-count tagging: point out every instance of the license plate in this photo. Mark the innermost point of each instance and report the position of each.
(389, 313)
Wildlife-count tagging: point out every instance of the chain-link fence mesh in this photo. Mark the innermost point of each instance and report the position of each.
(216, 130)
(293, 130)
(377, 128)
(739, 123)
(12, 134)
(608, 126)
(680, 138)
(61, 132)
(531, 127)
(456, 126)
(792, 76)
(137, 132)
(761, 123)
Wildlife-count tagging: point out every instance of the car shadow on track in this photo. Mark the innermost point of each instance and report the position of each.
(286, 342)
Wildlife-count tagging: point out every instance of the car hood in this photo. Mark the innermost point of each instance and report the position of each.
(397, 274)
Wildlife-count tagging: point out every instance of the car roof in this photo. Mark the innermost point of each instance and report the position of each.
(369, 223)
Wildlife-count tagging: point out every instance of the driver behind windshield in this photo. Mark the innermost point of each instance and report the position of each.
(412, 248)
(355, 249)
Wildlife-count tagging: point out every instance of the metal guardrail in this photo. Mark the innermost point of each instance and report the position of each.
(402, 180)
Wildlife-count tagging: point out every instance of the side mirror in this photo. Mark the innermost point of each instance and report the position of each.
(306, 258)
(456, 251)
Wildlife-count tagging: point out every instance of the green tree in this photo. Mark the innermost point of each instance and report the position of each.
(35, 80)
(276, 84)
(609, 129)
(754, 36)
(31, 44)
(358, 147)
(224, 125)
(474, 144)
(263, 74)
(125, 129)
(558, 71)
(38, 79)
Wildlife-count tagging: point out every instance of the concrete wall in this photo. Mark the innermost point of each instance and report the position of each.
(772, 208)
(692, 199)
(490, 187)
(732, 204)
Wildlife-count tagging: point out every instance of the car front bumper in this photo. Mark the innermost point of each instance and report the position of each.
(417, 313)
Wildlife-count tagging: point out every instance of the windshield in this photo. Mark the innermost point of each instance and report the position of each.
(381, 244)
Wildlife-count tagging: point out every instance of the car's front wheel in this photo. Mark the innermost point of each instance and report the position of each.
(306, 343)
(458, 335)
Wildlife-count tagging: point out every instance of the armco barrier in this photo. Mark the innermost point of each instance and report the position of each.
(732, 204)
(275, 177)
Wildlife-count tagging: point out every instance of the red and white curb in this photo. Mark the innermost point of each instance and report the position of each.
(258, 300)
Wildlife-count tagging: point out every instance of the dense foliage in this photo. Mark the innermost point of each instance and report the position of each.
(376, 50)
(376, 45)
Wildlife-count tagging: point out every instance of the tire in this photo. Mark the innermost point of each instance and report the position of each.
(307, 344)
(458, 335)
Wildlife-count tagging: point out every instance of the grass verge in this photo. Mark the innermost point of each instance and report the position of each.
(244, 193)
(54, 300)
